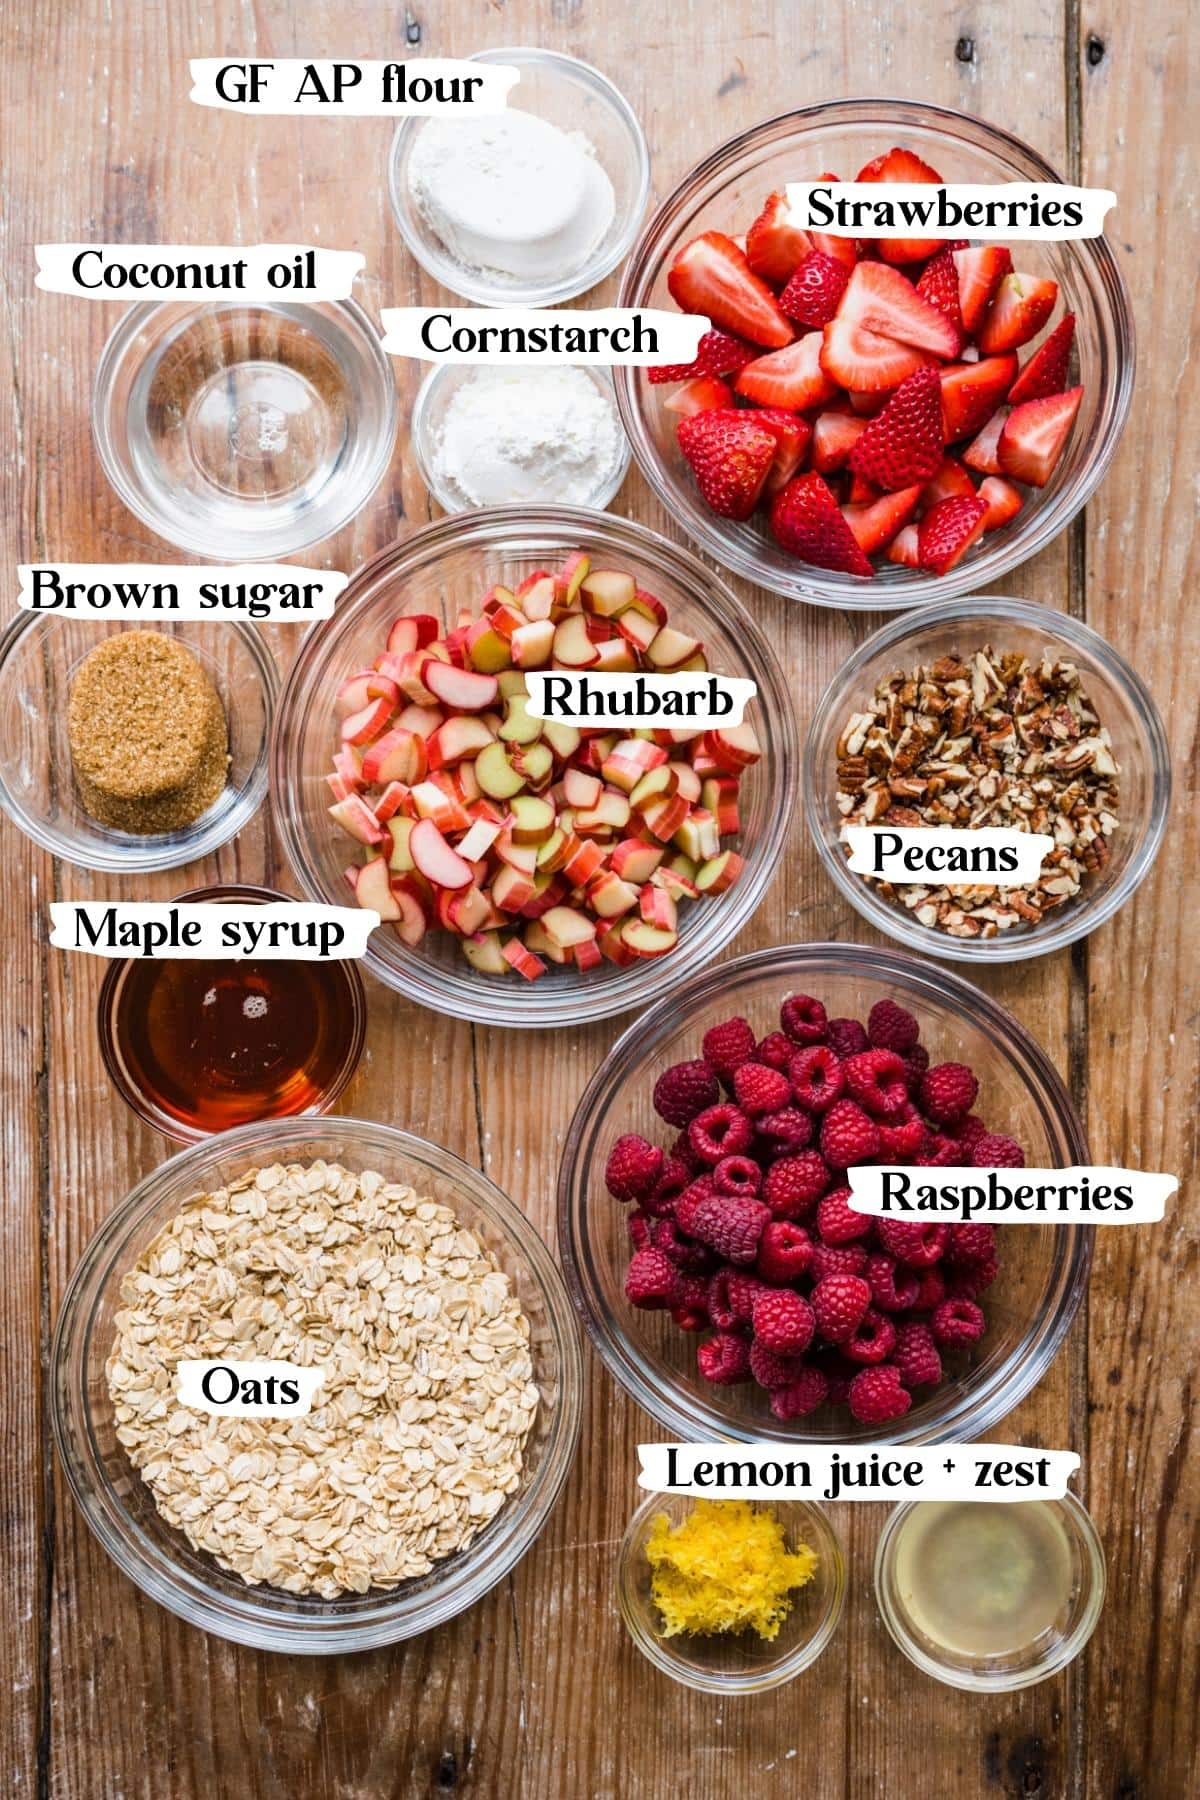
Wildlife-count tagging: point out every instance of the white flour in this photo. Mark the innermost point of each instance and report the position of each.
(521, 435)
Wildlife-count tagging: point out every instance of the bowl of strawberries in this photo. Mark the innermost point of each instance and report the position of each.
(871, 424)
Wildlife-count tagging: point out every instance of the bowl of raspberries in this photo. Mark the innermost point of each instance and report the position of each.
(704, 1213)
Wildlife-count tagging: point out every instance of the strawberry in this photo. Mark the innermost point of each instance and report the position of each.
(711, 275)
(861, 491)
(717, 353)
(1046, 371)
(904, 443)
(1020, 307)
(805, 520)
(842, 250)
(939, 285)
(811, 297)
(729, 454)
(866, 360)
(792, 377)
(875, 524)
(903, 165)
(980, 272)
(1034, 435)
(879, 298)
(701, 395)
(949, 480)
(834, 436)
(947, 532)
(867, 405)
(972, 391)
(775, 245)
(980, 453)
(1001, 499)
(903, 548)
(791, 434)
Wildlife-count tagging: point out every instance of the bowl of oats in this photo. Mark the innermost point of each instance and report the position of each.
(979, 714)
(316, 1385)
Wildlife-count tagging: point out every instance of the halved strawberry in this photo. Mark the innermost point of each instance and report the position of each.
(805, 520)
(861, 491)
(971, 392)
(1020, 307)
(844, 250)
(1034, 435)
(876, 524)
(811, 297)
(730, 456)
(980, 453)
(866, 361)
(717, 353)
(1002, 500)
(903, 165)
(792, 434)
(834, 436)
(904, 443)
(775, 244)
(867, 405)
(704, 394)
(947, 532)
(903, 548)
(949, 480)
(980, 272)
(792, 377)
(939, 285)
(879, 298)
(711, 275)
(1046, 371)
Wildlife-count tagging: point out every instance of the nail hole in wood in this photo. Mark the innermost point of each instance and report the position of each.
(1095, 50)
(964, 50)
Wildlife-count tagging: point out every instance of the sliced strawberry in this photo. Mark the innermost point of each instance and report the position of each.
(867, 405)
(730, 455)
(904, 443)
(843, 250)
(792, 378)
(876, 524)
(939, 286)
(950, 479)
(834, 436)
(805, 520)
(903, 548)
(711, 275)
(702, 395)
(861, 491)
(1020, 307)
(947, 532)
(811, 297)
(792, 434)
(866, 361)
(775, 244)
(1034, 435)
(1002, 500)
(1046, 371)
(972, 391)
(980, 453)
(903, 165)
(980, 272)
(717, 353)
(879, 298)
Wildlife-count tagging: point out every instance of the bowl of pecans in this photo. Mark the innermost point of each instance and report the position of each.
(990, 712)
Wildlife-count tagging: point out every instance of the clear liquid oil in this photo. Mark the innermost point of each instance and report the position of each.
(984, 1580)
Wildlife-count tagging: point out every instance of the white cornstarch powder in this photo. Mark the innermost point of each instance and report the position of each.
(520, 435)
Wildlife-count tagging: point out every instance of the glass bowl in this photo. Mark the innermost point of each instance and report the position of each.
(118, 1506)
(451, 564)
(726, 191)
(338, 1014)
(741, 1663)
(39, 656)
(428, 419)
(577, 98)
(244, 430)
(1122, 703)
(1059, 1645)
(1043, 1267)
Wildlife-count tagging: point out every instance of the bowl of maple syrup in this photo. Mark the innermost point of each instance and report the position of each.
(195, 1046)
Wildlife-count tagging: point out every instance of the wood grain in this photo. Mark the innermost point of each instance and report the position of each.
(536, 1692)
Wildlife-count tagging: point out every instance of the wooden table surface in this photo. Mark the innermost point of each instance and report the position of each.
(536, 1691)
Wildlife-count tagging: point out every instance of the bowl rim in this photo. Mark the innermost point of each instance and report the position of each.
(1083, 916)
(244, 1619)
(1045, 523)
(660, 1395)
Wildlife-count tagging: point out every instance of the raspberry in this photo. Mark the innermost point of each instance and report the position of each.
(803, 1019)
(684, 1090)
(720, 1306)
(731, 1226)
(968, 1131)
(848, 1136)
(837, 1259)
(970, 1245)
(916, 1062)
(948, 1092)
(681, 1151)
(726, 1047)
(801, 1396)
(894, 1288)
(816, 1077)
(916, 1356)
(737, 1175)
(876, 1080)
(874, 1338)
(651, 1280)
(995, 1151)
(690, 1258)
(720, 1131)
(932, 1290)
(957, 1322)
(784, 1251)
(690, 1311)
(846, 1037)
(633, 1168)
(667, 1189)
(968, 1284)
(794, 1184)
(640, 1225)
(938, 1152)
(776, 1050)
(759, 1090)
(876, 1395)
(836, 1222)
(689, 1200)
(897, 1143)
(838, 1303)
(724, 1359)
(771, 1370)
(783, 1322)
(889, 1027)
(919, 1243)
(743, 1290)
(784, 1133)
